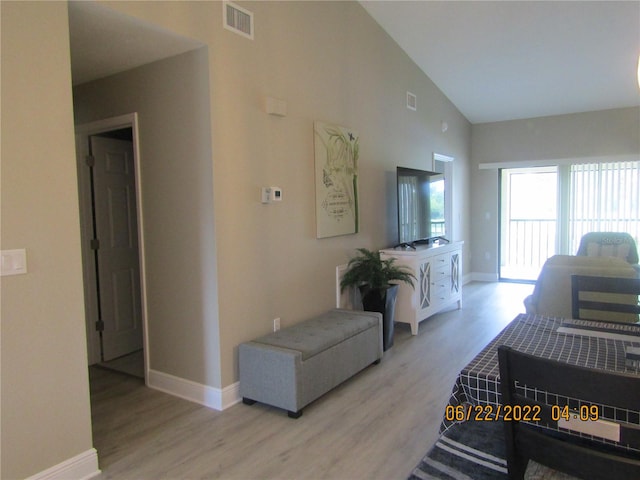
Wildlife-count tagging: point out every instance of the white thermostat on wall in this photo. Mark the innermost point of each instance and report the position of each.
(271, 194)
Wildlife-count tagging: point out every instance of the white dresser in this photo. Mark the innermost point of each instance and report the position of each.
(438, 269)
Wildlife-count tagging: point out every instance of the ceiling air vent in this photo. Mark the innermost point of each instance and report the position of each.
(238, 19)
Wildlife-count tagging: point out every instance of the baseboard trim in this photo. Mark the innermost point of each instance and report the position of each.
(216, 398)
(80, 467)
(231, 395)
(484, 277)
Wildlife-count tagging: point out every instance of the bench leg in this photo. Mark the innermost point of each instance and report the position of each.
(297, 414)
(248, 401)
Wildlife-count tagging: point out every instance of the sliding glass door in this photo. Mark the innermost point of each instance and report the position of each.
(546, 210)
(528, 220)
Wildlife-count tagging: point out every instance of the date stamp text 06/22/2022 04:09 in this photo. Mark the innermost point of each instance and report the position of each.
(525, 413)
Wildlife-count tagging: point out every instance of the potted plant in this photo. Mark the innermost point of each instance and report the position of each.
(373, 276)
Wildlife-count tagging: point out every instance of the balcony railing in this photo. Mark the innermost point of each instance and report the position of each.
(437, 228)
(526, 246)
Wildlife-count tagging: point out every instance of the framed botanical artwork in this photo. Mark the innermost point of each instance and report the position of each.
(336, 166)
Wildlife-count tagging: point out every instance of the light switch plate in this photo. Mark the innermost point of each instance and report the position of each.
(266, 194)
(14, 262)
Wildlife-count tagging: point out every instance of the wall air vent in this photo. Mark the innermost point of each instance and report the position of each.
(412, 101)
(238, 19)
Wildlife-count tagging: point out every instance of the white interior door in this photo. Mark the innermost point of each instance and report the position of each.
(117, 253)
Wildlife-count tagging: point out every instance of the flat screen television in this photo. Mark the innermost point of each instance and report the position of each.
(421, 206)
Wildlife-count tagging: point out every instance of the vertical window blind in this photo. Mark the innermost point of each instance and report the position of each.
(604, 197)
(408, 196)
(590, 197)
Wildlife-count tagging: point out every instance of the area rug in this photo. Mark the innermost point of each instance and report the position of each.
(469, 450)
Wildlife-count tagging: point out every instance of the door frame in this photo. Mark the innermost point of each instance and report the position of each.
(82, 134)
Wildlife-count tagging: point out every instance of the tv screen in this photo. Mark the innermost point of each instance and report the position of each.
(421, 213)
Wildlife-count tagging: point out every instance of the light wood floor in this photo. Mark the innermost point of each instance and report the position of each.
(133, 364)
(377, 425)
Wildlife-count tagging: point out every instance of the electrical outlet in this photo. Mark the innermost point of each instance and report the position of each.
(276, 324)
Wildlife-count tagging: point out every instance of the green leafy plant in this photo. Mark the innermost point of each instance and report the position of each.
(370, 270)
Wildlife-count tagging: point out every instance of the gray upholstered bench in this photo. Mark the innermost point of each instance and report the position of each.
(294, 366)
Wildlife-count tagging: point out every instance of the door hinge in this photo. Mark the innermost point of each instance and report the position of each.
(95, 244)
(90, 160)
(99, 326)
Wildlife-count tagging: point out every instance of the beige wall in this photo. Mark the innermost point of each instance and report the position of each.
(602, 134)
(269, 262)
(171, 98)
(329, 60)
(45, 397)
(246, 263)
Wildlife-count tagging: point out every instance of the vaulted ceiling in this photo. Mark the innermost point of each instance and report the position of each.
(502, 60)
(495, 60)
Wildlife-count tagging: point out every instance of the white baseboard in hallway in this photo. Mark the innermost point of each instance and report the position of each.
(216, 398)
(80, 467)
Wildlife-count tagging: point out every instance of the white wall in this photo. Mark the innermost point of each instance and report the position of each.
(45, 394)
(602, 134)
